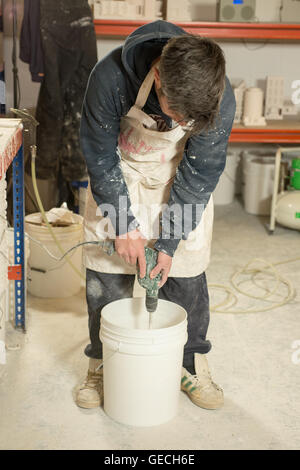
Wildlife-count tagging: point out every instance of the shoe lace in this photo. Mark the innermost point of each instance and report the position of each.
(92, 380)
(204, 381)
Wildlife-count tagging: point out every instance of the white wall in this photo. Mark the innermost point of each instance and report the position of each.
(253, 61)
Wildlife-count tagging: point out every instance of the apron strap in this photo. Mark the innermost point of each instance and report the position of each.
(145, 89)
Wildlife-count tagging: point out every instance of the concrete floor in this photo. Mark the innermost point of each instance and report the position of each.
(253, 358)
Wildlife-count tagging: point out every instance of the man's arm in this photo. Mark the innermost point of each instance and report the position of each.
(100, 127)
(99, 131)
(197, 175)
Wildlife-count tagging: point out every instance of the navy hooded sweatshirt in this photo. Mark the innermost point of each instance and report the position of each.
(111, 92)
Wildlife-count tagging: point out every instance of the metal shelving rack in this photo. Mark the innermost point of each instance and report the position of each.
(19, 253)
(217, 30)
(12, 153)
(287, 132)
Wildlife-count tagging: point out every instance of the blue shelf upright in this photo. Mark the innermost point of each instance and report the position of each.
(19, 253)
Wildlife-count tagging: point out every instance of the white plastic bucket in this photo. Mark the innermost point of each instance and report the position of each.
(258, 179)
(142, 366)
(59, 279)
(226, 187)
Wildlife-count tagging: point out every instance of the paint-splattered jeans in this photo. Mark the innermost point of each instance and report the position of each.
(191, 293)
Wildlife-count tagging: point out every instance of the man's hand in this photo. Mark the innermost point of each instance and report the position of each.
(130, 248)
(164, 263)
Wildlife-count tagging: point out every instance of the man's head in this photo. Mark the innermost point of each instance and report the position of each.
(190, 80)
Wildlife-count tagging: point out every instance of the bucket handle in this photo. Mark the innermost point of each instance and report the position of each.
(109, 357)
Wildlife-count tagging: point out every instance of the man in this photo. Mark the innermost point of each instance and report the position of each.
(155, 125)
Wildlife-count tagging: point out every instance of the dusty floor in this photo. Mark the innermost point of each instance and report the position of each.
(255, 358)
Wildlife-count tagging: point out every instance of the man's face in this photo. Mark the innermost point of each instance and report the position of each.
(164, 102)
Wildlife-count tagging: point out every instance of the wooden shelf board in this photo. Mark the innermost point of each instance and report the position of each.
(275, 132)
(221, 30)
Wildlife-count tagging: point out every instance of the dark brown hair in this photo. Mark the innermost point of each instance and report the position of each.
(192, 72)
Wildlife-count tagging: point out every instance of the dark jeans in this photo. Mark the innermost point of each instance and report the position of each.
(191, 293)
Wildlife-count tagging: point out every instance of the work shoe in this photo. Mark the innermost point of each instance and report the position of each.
(200, 387)
(90, 393)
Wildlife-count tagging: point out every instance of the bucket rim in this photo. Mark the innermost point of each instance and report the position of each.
(44, 228)
(147, 332)
(29, 218)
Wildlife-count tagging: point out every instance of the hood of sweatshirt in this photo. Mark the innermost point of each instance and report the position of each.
(144, 45)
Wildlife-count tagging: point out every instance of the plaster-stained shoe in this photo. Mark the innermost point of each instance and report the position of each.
(200, 388)
(90, 393)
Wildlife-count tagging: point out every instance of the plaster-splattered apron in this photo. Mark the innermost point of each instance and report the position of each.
(149, 159)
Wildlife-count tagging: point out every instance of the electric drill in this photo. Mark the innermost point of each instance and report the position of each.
(151, 285)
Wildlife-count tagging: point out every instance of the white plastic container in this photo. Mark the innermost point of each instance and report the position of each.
(288, 209)
(258, 179)
(226, 187)
(142, 366)
(59, 279)
(253, 107)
